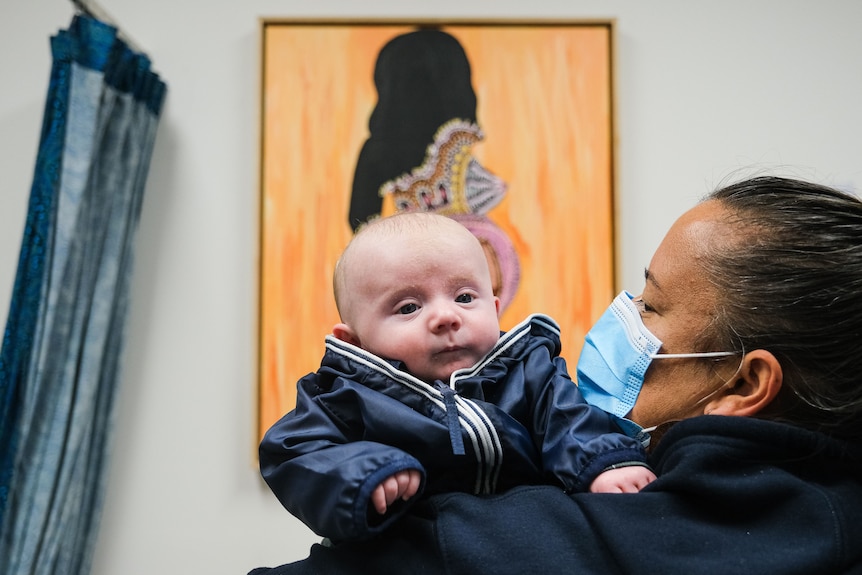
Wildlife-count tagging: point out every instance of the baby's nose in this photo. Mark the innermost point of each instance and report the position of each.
(446, 318)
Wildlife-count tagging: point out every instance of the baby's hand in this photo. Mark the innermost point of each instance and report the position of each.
(623, 480)
(403, 484)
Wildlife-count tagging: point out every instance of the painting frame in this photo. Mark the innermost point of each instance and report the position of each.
(545, 103)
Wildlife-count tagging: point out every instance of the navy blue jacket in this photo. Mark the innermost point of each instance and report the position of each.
(733, 495)
(515, 418)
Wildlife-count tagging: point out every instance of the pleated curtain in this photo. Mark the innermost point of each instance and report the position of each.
(63, 342)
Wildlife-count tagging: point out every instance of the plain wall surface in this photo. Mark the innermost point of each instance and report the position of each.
(703, 89)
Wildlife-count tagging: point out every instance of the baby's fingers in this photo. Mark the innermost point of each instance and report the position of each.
(384, 494)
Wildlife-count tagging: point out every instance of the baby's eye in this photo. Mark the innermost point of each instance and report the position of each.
(408, 308)
(464, 298)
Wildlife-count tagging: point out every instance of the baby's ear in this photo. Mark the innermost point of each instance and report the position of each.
(343, 332)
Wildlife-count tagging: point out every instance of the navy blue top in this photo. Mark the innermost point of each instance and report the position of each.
(733, 495)
(514, 418)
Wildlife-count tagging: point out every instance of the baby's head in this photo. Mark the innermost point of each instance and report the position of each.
(415, 287)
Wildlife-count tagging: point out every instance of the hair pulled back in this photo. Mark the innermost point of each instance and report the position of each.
(789, 280)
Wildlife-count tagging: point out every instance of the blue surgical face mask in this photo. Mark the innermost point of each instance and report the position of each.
(616, 354)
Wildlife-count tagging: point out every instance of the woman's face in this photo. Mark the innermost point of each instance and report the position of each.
(678, 306)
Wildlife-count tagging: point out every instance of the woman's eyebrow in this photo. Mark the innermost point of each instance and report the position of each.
(649, 277)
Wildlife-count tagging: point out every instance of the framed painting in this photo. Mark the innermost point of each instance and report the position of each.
(505, 126)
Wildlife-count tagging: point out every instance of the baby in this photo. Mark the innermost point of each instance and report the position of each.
(419, 392)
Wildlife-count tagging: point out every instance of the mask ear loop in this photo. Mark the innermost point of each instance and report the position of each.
(697, 354)
(704, 355)
(727, 382)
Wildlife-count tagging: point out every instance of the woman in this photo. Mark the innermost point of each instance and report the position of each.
(762, 472)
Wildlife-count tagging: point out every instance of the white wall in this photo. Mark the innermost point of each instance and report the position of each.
(703, 89)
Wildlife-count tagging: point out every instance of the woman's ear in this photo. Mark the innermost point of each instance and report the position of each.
(753, 388)
(343, 332)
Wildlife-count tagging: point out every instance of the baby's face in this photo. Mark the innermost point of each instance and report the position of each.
(434, 310)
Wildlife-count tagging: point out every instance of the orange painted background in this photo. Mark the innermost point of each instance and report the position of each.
(545, 105)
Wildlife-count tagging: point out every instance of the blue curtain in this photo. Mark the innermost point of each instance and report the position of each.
(62, 346)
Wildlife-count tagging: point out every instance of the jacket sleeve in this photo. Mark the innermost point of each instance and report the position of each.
(578, 440)
(321, 470)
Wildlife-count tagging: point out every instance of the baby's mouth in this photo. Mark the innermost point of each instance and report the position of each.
(450, 350)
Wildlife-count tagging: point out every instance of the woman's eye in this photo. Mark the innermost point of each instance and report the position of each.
(408, 308)
(464, 298)
(642, 306)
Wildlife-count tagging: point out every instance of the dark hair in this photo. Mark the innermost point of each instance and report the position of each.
(790, 282)
(423, 80)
